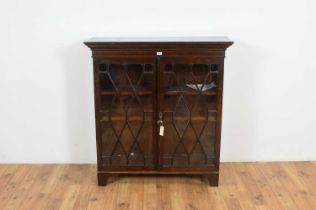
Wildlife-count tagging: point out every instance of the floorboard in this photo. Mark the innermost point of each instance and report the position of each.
(278, 185)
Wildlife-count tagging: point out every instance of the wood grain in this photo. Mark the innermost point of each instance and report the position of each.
(143, 85)
(282, 185)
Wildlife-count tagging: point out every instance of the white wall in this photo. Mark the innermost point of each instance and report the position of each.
(46, 108)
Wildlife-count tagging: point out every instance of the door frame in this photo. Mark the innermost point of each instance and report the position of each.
(189, 59)
(123, 60)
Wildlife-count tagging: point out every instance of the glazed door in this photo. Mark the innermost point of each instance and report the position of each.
(125, 111)
(189, 101)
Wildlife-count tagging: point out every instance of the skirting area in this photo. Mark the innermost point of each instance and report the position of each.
(286, 185)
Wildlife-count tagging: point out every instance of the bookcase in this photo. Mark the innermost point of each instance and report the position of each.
(158, 105)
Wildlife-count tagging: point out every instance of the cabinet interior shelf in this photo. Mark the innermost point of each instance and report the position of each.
(138, 118)
(190, 93)
(171, 93)
(126, 93)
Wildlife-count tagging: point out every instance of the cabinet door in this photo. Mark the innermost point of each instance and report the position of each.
(190, 96)
(125, 95)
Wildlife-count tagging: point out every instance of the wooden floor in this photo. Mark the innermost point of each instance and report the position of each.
(289, 185)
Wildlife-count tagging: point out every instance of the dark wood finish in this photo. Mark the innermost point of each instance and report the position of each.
(103, 178)
(139, 81)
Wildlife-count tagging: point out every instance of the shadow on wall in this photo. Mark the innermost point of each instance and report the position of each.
(79, 104)
(241, 102)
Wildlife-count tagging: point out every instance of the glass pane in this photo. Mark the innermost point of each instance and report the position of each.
(127, 114)
(190, 110)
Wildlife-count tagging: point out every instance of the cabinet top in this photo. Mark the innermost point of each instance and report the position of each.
(160, 39)
(97, 42)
